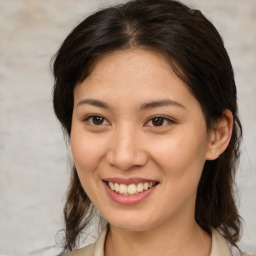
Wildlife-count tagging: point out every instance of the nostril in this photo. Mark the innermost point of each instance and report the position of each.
(127, 159)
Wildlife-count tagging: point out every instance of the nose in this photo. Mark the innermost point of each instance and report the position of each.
(126, 150)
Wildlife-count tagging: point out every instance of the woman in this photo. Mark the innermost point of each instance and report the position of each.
(146, 94)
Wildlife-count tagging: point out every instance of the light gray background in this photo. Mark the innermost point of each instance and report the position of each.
(33, 158)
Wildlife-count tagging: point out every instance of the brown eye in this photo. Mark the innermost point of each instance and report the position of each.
(157, 121)
(96, 120)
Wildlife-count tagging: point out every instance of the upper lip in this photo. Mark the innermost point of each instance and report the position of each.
(128, 181)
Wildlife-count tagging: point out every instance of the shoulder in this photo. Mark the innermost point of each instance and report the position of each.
(220, 246)
(94, 249)
(245, 254)
(85, 251)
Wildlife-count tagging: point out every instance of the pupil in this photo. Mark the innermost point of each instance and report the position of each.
(158, 121)
(97, 120)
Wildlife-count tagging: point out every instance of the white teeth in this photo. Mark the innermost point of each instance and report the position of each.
(117, 187)
(140, 187)
(131, 189)
(123, 189)
(145, 186)
(112, 186)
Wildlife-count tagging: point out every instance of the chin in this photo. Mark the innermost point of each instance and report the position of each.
(130, 223)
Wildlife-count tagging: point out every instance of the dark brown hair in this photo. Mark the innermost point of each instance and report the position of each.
(197, 54)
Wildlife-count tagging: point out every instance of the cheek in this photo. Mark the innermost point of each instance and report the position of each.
(87, 151)
(180, 155)
(181, 162)
(86, 154)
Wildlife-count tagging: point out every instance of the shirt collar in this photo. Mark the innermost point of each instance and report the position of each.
(219, 244)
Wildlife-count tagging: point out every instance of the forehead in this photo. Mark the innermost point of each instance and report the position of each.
(131, 60)
(132, 81)
(132, 69)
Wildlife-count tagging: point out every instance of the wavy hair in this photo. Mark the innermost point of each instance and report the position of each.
(197, 54)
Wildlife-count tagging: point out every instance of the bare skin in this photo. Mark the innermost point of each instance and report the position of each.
(134, 119)
(179, 240)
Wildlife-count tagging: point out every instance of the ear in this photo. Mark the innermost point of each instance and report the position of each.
(220, 136)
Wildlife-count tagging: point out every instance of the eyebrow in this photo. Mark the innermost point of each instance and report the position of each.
(93, 102)
(145, 106)
(161, 103)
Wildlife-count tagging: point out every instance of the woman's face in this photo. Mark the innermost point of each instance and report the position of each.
(139, 141)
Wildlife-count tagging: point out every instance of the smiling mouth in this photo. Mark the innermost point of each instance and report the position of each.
(131, 189)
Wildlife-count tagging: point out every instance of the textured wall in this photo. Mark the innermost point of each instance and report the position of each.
(33, 165)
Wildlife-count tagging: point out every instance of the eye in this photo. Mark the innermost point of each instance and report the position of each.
(158, 121)
(96, 120)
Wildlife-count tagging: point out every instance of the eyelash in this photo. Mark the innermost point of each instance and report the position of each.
(87, 119)
(164, 119)
(161, 117)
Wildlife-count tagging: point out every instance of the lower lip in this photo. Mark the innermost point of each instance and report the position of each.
(126, 199)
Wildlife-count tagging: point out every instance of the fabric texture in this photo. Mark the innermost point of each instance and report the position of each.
(220, 247)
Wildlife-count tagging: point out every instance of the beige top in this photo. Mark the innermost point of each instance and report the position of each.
(220, 247)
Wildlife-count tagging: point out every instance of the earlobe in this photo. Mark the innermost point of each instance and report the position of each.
(220, 136)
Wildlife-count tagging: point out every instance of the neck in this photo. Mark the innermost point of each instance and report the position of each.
(184, 240)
